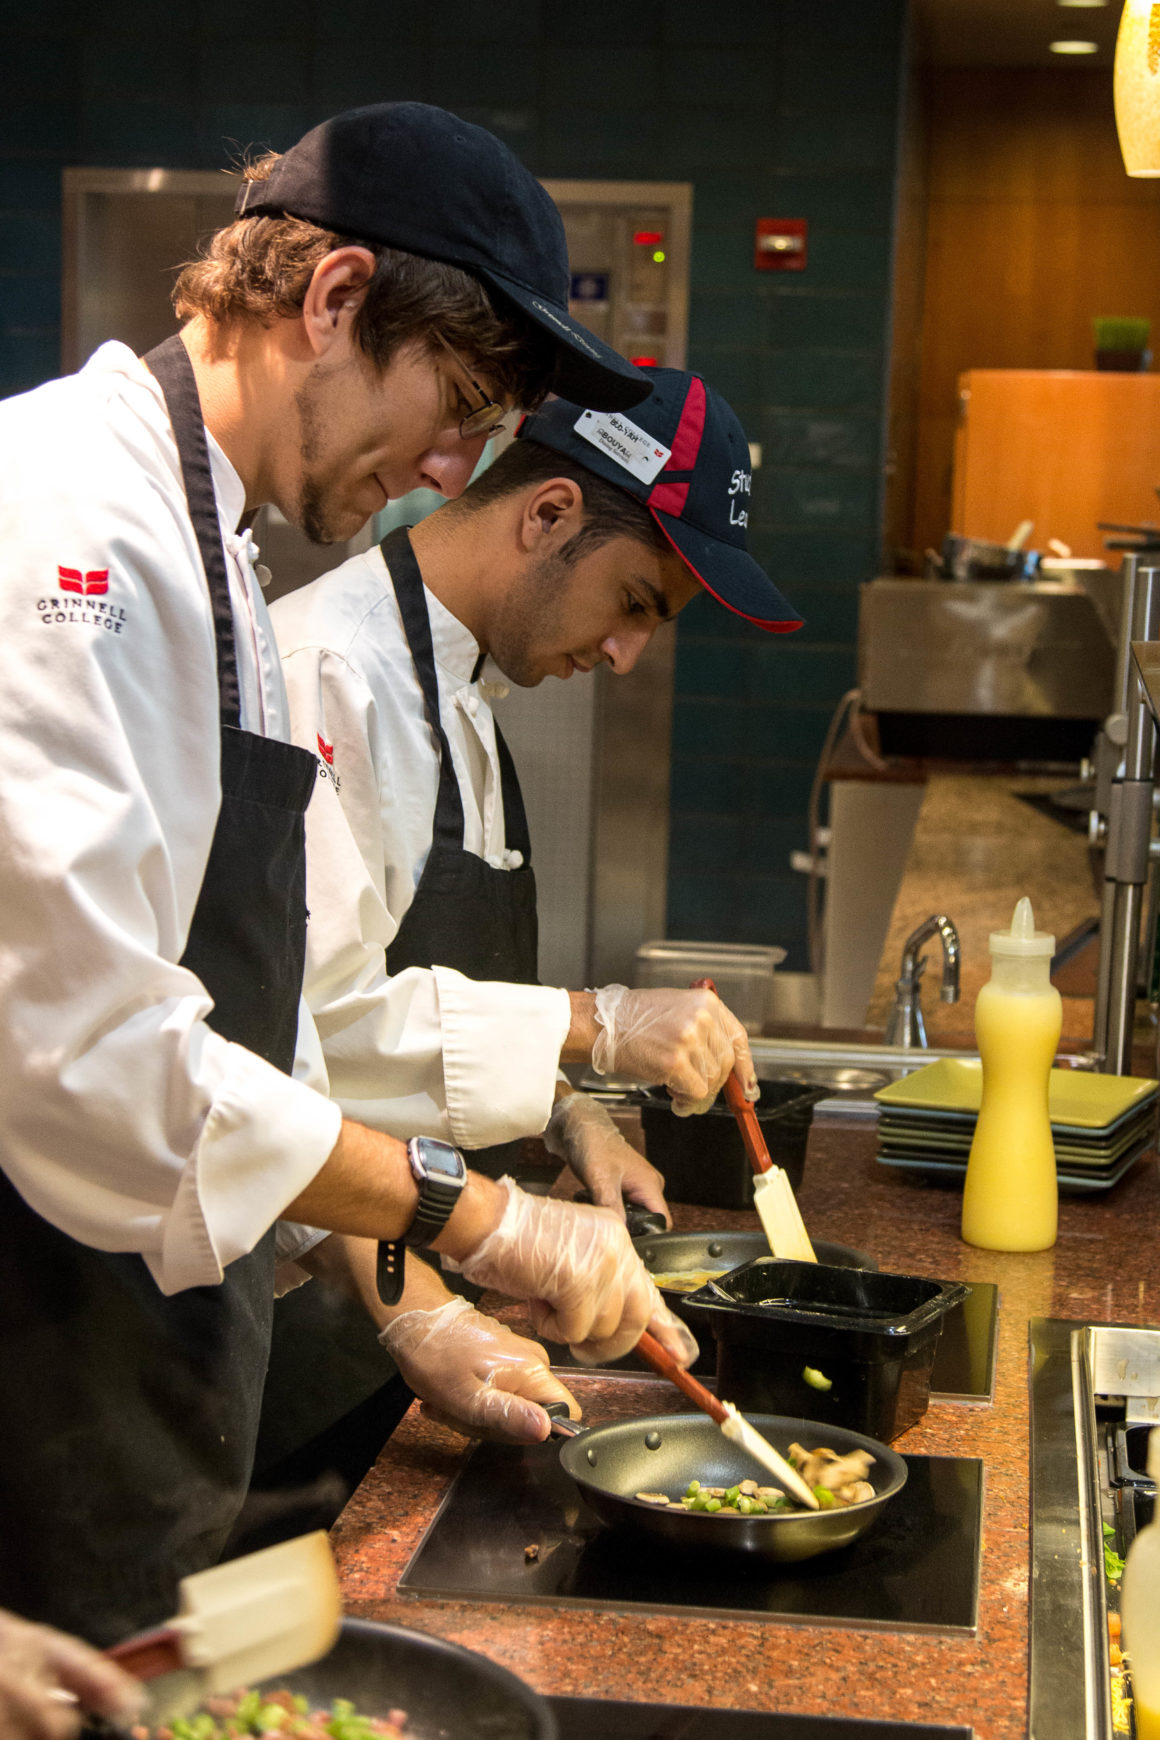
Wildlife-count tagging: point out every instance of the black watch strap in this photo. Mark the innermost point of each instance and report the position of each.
(437, 1199)
(390, 1270)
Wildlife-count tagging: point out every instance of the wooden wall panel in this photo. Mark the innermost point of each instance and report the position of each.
(1032, 229)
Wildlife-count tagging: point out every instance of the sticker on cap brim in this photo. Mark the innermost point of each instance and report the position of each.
(629, 445)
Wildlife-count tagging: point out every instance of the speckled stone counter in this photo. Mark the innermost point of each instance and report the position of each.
(976, 850)
(1106, 1265)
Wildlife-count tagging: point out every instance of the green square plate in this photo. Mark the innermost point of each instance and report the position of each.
(1076, 1098)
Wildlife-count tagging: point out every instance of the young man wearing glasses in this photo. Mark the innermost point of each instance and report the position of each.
(161, 1111)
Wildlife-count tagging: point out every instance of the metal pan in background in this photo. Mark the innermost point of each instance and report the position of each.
(611, 1464)
(449, 1693)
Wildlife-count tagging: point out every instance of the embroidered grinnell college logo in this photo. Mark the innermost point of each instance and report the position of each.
(326, 762)
(90, 584)
(80, 598)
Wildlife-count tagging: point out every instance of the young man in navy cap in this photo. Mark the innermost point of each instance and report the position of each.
(588, 533)
(390, 287)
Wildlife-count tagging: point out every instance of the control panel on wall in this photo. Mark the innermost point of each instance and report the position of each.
(628, 244)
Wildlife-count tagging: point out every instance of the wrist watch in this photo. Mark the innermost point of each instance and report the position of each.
(441, 1173)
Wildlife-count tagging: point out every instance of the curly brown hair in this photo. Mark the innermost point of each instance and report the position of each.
(259, 268)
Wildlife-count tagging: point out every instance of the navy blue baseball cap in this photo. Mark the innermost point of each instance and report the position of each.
(411, 176)
(685, 455)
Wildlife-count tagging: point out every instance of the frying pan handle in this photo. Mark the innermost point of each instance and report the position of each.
(563, 1425)
(742, 1109)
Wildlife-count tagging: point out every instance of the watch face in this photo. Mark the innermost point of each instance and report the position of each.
(440, 1159)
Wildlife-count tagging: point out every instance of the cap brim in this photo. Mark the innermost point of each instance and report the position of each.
(731, 576)
(588, 371)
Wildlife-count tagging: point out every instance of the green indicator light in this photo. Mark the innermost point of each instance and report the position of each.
(659, 256)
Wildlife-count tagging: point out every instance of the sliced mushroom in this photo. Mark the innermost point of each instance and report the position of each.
(824, 1467)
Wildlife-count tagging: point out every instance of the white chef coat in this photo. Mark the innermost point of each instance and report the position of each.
(124, 1119)
(355, 701)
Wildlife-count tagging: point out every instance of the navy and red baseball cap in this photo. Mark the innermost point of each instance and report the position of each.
(412, 176)
(684, 454)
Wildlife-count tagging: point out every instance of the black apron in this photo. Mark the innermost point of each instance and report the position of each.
(128, 1436)
(465, 915)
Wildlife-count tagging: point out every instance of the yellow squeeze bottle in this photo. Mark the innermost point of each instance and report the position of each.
(1140, 1613)
(1011, 1198)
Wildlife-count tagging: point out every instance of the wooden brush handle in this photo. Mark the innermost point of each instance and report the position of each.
(666, 1366)
(743, 1110)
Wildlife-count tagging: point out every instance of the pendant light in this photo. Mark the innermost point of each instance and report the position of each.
(1137, 86)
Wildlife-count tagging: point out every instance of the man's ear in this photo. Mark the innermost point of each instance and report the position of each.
(553, 513)
(336, 291)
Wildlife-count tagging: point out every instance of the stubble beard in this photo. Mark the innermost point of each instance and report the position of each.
(311, 511)
(530, 616)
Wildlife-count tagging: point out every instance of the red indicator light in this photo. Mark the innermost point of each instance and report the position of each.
(648, 238)
(644, 362)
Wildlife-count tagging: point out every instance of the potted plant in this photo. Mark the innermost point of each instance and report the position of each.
(1122, 343)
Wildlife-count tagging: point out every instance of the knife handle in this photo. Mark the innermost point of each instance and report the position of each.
(743, 1110)
(150, 1654)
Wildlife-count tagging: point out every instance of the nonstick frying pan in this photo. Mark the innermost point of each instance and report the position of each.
(449, 1693)
(611, 1464)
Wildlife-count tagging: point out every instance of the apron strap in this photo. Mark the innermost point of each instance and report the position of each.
(408, 584)
(515, 817)
(170, 363)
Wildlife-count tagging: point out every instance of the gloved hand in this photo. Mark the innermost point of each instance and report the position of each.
(48, 1678)
(581, 1132)
(474, 1375)
(585, 1284)
(686, 1040)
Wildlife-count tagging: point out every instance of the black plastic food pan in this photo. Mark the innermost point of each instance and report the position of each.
(702, 1158)
(850, 1346)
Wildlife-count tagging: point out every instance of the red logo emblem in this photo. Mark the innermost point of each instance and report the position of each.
(326, 750)
(90, 584)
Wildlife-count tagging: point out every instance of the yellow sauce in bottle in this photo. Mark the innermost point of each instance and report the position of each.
(1011, 1197)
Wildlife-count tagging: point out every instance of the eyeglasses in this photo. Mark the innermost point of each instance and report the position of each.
(488, 418)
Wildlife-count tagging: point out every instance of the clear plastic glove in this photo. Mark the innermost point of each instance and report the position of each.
(585, 1284)
(581, 1132)
(475, 1375)
(47, 1679)
(686, 1040)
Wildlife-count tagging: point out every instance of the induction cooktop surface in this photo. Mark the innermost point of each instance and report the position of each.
(514, 1527)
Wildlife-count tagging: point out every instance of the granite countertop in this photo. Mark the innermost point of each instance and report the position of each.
(977, 849)
(1101, 1269)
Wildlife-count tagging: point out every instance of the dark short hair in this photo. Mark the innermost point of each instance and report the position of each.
(609, 512)
(259, 268)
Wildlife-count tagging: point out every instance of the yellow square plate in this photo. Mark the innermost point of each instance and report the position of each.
(1075, 1097)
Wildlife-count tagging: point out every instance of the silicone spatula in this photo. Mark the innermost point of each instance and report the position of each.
(773, 1196)
(735, 1427)
(239, 1623)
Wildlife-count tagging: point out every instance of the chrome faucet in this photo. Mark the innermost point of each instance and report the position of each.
(905, 1026)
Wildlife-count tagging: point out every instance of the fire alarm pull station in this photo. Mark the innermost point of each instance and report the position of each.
(780, 245)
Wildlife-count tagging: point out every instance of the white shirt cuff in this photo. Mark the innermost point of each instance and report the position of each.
(496, 1034)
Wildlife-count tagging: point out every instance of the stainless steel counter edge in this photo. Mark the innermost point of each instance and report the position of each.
(1069, 1696)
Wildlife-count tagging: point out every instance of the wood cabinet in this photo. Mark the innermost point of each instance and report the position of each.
(1065, 448)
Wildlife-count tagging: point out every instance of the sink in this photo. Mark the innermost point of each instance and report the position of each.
(851, 1071)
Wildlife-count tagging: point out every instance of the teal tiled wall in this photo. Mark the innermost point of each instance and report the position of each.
(771, 108)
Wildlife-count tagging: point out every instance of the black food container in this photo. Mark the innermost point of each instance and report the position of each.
(670, 1253)
(702, 1159)
(848, 1346)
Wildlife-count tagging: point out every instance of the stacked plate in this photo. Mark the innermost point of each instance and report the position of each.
(1101, 1124)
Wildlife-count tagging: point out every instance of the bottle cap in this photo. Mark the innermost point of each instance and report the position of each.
(1023, 938)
